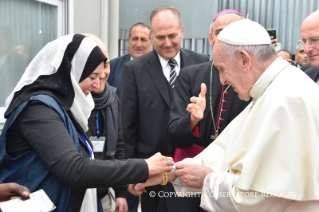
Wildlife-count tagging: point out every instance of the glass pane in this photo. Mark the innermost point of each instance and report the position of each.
(25, 27)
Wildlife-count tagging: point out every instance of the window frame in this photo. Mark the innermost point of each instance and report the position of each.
(65, 25)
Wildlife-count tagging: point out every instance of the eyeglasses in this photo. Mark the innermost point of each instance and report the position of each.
(312, 42)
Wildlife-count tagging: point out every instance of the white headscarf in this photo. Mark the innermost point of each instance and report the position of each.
(48, 61)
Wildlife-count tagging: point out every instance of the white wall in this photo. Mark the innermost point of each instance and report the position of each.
(87, 16)
(99, 17)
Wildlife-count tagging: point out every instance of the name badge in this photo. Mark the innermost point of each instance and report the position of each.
(98, 143)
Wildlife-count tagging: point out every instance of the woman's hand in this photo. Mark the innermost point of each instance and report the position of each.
(158, 164)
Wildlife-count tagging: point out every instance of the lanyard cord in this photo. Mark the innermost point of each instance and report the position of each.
(96, 113)
(86, 144)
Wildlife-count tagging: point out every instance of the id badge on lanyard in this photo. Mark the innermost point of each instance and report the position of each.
(98, 143)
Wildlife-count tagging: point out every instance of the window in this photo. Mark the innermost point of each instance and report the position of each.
(25, 27)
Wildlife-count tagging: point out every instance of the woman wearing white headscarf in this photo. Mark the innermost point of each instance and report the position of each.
(43, 144)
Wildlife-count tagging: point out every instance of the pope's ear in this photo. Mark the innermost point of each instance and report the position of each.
(245, 59)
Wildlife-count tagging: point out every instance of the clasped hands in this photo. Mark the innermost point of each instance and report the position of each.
(190, 175)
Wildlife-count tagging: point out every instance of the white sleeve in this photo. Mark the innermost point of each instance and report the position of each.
(220, 194)
(215, 193)
(183, 191)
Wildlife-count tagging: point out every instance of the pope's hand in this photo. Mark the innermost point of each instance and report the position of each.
(192, 175)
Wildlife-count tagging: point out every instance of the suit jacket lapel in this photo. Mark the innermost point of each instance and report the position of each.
(127, 58)
(186, 59)
(156, 72)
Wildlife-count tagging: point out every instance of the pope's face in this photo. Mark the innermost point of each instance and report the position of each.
(230, 73)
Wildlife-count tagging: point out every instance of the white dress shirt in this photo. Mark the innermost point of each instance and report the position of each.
(166, 67)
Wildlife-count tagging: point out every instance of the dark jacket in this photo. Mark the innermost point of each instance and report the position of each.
(119, 154)
(145, 104)
(116, 66)
(313, 73)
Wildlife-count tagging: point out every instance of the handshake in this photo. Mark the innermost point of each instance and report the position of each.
(162, 169)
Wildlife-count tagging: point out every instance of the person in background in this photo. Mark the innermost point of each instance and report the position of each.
(286, 55)
(139, 43)
(146, 93)
(43, 144)
(310, 40)
(301, 56)
(105, 129)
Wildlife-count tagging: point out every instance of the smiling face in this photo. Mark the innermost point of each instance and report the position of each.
(310, 31)
(232, 72)
(92, 82)
(139, 42)
(103, 77)
(166, 34)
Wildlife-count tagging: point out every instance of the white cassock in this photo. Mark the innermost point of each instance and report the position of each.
(269, 152)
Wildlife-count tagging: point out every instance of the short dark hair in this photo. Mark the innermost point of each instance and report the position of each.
(285, 50)
(138, 24)
(170, 8)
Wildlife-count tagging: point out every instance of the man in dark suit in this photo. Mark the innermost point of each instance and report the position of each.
(313, 73)
(306, 66)
(310, 41)
(146, 94)
(139, 43)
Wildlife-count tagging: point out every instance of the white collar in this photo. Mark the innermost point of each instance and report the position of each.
(267, 77)
(164, 62)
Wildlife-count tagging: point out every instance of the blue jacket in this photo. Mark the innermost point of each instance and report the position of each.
(116, 66)
(28, 169)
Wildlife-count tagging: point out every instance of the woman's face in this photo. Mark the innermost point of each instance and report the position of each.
(92, 82)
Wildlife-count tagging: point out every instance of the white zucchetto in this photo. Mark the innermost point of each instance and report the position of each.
(244, 32)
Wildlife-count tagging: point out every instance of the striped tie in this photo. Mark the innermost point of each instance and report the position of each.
(172, 75)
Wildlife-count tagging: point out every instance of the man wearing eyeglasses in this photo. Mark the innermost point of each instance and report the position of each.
(310, 39)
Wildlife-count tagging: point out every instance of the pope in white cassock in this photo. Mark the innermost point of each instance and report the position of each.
(267, 158)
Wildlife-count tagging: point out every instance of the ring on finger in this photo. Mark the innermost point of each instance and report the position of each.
(170, 163)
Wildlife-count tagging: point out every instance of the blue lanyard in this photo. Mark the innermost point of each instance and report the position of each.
(97, 122)
(86, 144)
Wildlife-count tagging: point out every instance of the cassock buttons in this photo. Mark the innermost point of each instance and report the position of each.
(222, 110)
(225, 92)
(224, 101)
